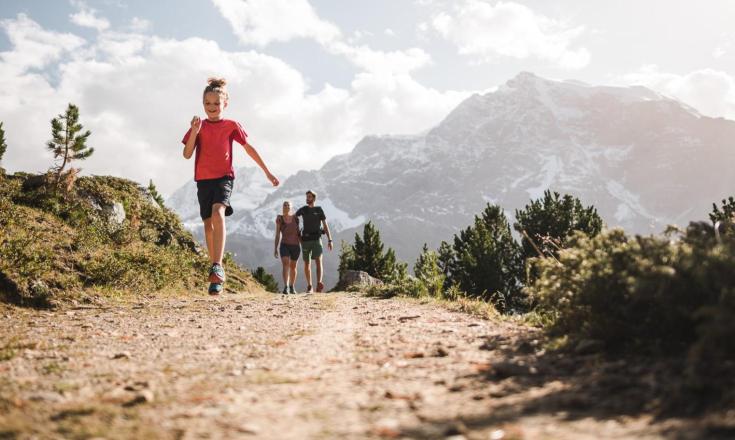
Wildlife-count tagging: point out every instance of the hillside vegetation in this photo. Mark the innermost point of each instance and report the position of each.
(95, 236)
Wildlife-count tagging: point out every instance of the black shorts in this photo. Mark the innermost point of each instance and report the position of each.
(213, 191)
(291, 251)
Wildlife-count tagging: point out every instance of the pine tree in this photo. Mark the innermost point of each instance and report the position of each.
(428, 271)
(346, 259)
(69, 142)
(727, 214)
(153, 191)
(265, 279)
(367, 255)
(484, 261)
(3, 144)
(545, 224)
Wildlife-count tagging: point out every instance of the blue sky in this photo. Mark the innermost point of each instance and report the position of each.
(308, 79)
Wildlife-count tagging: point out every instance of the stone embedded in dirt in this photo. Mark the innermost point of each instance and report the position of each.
(455, 429)
(145, 396)
(45, 396)
(589, 346)
(504, 369)
(387, 428)
(406, 318)
(238, 307)
(372, 324)
(413, 355)
(137, 386)
(247, 429)
(498, 434)
(122, 355)
(440, 352)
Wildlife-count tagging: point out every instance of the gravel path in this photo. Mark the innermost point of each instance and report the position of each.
(323, 366)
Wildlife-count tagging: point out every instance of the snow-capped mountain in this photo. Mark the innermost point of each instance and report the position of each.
(643, 159)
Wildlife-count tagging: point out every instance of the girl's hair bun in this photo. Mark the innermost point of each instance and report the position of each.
(216, 83)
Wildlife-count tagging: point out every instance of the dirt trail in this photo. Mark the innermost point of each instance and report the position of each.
(326, 366)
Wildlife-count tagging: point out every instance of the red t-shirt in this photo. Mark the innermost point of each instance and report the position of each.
(214, 148)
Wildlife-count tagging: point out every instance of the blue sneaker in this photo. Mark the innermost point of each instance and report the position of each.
(215, 288)
(217, 274)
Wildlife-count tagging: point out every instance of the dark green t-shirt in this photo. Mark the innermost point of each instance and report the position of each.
(312, 219)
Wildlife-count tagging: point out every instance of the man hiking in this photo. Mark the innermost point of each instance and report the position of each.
(314, 225)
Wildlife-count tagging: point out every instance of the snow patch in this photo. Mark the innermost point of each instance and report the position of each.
(551, 169)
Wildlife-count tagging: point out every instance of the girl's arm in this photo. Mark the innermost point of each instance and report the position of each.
(196, 124)
(256, 157)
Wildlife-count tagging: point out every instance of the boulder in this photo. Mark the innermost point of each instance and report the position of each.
(356, 279)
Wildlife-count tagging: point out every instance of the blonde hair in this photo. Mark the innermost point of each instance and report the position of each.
(218, 86)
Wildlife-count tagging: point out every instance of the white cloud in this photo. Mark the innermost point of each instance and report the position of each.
(138, 24)
(365, 58)
(34, 47)
(137, 94)
(263, 21)
(87, 18)
(711, 92)
(485, 31)
(260, 22)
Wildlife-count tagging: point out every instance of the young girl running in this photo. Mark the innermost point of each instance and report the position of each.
(212, 138)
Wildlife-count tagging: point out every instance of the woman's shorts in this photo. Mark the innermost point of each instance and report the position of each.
(213, 191)
(291, 251)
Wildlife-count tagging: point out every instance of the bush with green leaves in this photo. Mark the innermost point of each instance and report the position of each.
(265, 279)
(484, 261)
(668, 294)
(429, 273)
(55, 246)
(545, 224)
(367, 255)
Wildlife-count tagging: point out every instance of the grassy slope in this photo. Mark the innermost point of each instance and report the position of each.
(57, 246)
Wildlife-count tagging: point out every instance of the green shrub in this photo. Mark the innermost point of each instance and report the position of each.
(546, 224)
(265, 279)
(141, 267)
(659, 294)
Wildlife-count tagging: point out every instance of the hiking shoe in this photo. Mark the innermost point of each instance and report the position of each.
(320, 287)
(217, 274)
(215, 288)
(285, 291)
(308, 289)
(291, 290)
